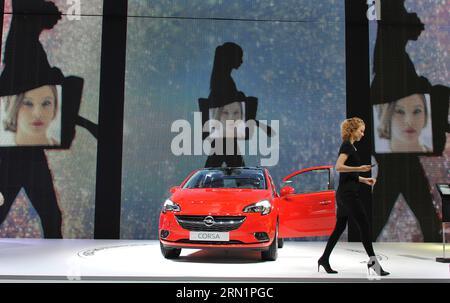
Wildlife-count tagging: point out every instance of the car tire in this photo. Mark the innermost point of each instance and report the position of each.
(280, 242)
(272, 253)
(170, 253)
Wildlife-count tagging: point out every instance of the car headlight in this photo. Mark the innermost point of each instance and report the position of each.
(169, 205)
(262, 207)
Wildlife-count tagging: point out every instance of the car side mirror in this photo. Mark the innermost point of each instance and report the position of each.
(287, 190)
(174, 189)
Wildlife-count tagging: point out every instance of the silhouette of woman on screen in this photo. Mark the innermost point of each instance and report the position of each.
(226, 101)
(400, 172)
(27, 69)
(231, 107)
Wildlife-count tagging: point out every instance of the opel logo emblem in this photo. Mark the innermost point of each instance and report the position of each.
(209, 221)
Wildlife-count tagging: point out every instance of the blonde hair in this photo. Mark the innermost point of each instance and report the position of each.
(385, 113)
(349, 126)
(13, 104)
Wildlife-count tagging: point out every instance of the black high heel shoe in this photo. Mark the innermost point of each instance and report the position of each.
(326, 265)
(376, 267)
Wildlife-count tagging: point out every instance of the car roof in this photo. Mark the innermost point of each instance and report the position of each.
(255, 168)
(232, 167)
(263, 170)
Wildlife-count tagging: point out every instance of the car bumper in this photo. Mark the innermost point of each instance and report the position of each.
(241, 238)
(198, 245)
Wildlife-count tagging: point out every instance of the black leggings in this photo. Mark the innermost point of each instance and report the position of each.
(28, 169)
(350, 206)
(404, 176)
(233, 159)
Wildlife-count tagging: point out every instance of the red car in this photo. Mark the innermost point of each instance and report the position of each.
(240, 208)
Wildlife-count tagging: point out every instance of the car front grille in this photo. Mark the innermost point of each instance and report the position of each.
(221, 223)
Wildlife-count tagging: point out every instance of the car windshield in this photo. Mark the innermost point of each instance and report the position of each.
(227, 178)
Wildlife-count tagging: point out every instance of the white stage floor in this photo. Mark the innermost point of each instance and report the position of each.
(35, 260)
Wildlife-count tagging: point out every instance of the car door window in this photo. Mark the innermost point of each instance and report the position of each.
(310, 181)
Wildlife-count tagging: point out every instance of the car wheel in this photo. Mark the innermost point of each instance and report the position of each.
(272, 253)
(280, 242)
(170, 253)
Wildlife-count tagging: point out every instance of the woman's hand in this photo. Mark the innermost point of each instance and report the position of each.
(364, 168)
(368, 181)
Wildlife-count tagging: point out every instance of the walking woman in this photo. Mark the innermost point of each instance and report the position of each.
(348, 203)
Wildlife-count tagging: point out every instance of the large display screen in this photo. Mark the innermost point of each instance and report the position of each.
(49, 91)
(410, 100)
(270, 75)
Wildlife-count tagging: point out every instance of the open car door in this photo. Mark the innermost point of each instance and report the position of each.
(307, 204)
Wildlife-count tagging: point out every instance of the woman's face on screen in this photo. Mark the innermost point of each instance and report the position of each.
(37, 111)
(231, 111)
(233, 114)
(408, 119)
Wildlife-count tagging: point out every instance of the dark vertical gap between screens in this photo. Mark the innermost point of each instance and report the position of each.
(358, 89)
(111, 113)
(2, 10)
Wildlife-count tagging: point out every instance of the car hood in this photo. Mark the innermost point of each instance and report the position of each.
(217, 201)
